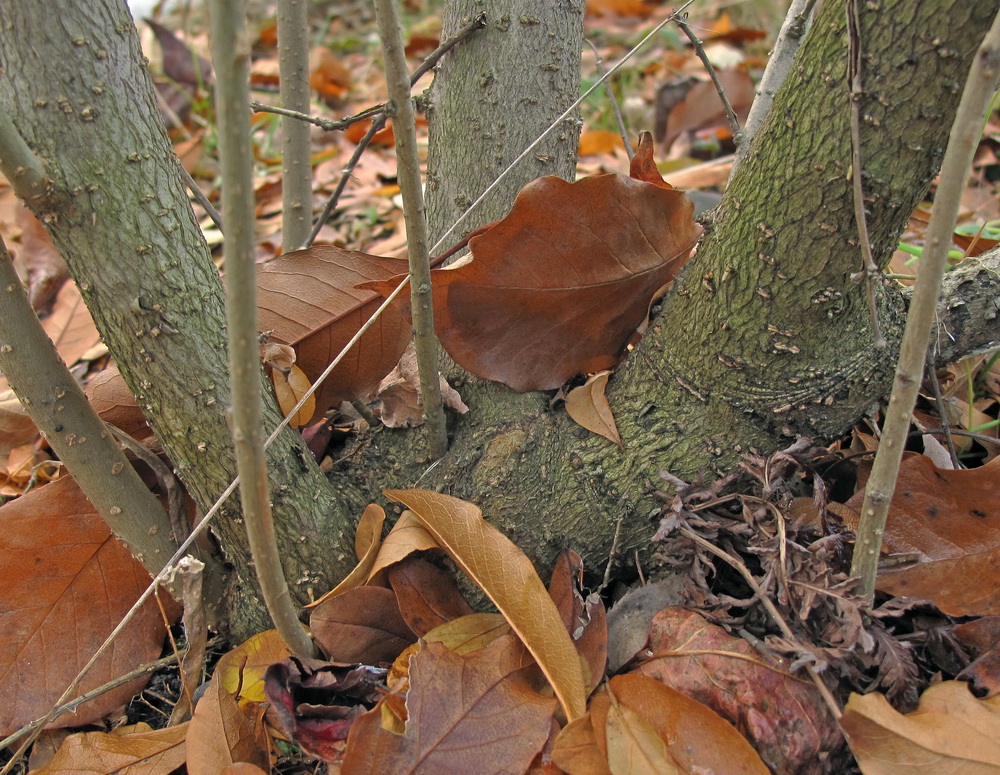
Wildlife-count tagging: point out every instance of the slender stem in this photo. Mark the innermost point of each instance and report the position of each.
(408, 174)
(615, 107)
(962, 143)
(231, 54)
(296, 159)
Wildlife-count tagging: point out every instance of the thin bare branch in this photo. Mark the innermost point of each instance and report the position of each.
(962, 144)
(699, 49)
(231, 55)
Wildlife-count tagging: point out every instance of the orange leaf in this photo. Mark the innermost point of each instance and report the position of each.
(476, 714)
(147, 752)
(599, 141)
(560, 285)
(289, 389)
(221, 733)
(951, 731)
(588, 407)
(308, 299)
(67, 583)
(367, 539)
(635, 8)
(507, 576)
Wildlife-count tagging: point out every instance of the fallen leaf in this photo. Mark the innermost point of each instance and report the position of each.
(950, 520)
(67, 583)
(585, 619)
(624, 8)
(509, 579)
(599, 141)
(701, 106)
(70, 326)
(361, 625)
(427, 595)
(477, 714)
(145, 752)
(308, 300)
(781, 714)
(588, 407)
(328, 76)
(115, 404)
(950, 731)
(634, 747)
(289, 389)
(180, 63)
(241, 670)
(222, 733)
(559, 286)
(408, 535)
(398, 402)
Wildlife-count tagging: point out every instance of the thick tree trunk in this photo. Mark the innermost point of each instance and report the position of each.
(492, 96)
(79, 93)
(765, 329)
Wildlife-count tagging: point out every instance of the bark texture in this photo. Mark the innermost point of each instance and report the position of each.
(75, 82)
(492, 96)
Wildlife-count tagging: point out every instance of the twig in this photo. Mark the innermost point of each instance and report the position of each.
(296, 156)
(198, 194)
(699, 49)
(408, 174)
(741, 568)
(114, 683)
(231, 54)
(942, 414)
(377, 125)
(869, 270)
(793, 29)
(615, 541)
(615, 107)
(962, 143)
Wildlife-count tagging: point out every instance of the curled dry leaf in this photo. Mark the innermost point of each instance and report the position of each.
(509, 579)
(951, 731)
(588, 406)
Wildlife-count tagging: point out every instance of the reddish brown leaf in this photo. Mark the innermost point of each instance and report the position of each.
(983, 637)
(702, 108)
(560, 285)
(585, 620)
(781, 714)
(428, 596)
(950, 521)
(67, 583)
(308, 299)
(114, 402)
(477, 714)
(643, 165)
(362, 625)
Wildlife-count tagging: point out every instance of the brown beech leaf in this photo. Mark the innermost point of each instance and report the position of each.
(477, 714)
(70, 326)
(362, 625)
(67, 583)
(407, 536)
(781, 714)
(222, 733)
(588, 407)
(701, 107)
(307, 299)
(950, 731)
(428, 596)
(114, 402)
(950, 521)
(509, 579)
(180, 63)
(145, 752)
(559, 286)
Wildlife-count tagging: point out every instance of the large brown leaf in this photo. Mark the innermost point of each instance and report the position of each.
(560, 285)
(308, 299)
(67, 581)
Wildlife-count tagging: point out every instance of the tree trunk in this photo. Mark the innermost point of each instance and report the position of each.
(81, 96)
(492, 96)
(766, 336)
